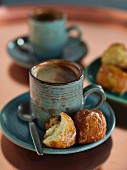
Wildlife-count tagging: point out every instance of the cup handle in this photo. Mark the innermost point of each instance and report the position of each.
(77, 29)
(94, 88)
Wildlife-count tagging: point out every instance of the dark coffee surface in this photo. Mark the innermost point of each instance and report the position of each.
(56, 74)
(47, 17)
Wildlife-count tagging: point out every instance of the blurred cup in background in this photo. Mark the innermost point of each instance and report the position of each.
(48, 33)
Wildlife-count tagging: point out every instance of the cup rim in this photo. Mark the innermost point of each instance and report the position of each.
(40, 10)
(57, 62)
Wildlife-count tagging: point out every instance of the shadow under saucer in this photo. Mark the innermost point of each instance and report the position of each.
(120, 111)
(27, 160)
(19, 73)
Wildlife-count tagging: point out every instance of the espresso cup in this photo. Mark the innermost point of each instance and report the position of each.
(48, 33)
(57, 86)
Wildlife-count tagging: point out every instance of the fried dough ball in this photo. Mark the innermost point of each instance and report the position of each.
(115, 54)
(90, 125)
(60, 134)
(112, 78)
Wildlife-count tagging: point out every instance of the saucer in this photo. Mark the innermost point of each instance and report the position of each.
(22, 53)
(17, 130)
(90, 75)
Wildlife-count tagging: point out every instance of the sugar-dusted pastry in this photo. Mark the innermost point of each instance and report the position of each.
(90, 125)
(60, 134)
(112, 78)
(116, 55)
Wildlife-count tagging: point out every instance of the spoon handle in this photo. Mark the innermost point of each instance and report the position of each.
(35, 138)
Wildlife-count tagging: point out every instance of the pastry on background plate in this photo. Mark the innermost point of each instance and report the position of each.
(112, 78)
(90, 126)
(60, 134)
(115, 54)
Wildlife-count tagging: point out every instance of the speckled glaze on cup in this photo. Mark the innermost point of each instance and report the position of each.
(49, 98)
(48, 33)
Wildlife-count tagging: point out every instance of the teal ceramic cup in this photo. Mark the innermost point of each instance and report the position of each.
(57, 86)
(48, 33)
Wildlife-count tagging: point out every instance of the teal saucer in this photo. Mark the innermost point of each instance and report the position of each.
(90, 75)
(17, 130)
(21, 51)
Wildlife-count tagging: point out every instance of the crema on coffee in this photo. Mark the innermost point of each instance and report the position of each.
(55, 73)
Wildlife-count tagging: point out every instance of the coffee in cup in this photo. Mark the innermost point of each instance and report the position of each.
(54, 73)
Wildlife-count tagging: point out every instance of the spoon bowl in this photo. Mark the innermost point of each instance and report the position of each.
(24, 113)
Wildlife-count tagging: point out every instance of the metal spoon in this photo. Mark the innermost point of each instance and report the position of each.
(25, 114)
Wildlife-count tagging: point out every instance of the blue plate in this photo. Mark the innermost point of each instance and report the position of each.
(17, 130)
(22, 53)
(91, 73)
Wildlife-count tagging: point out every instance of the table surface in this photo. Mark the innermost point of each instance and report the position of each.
(100, 27)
